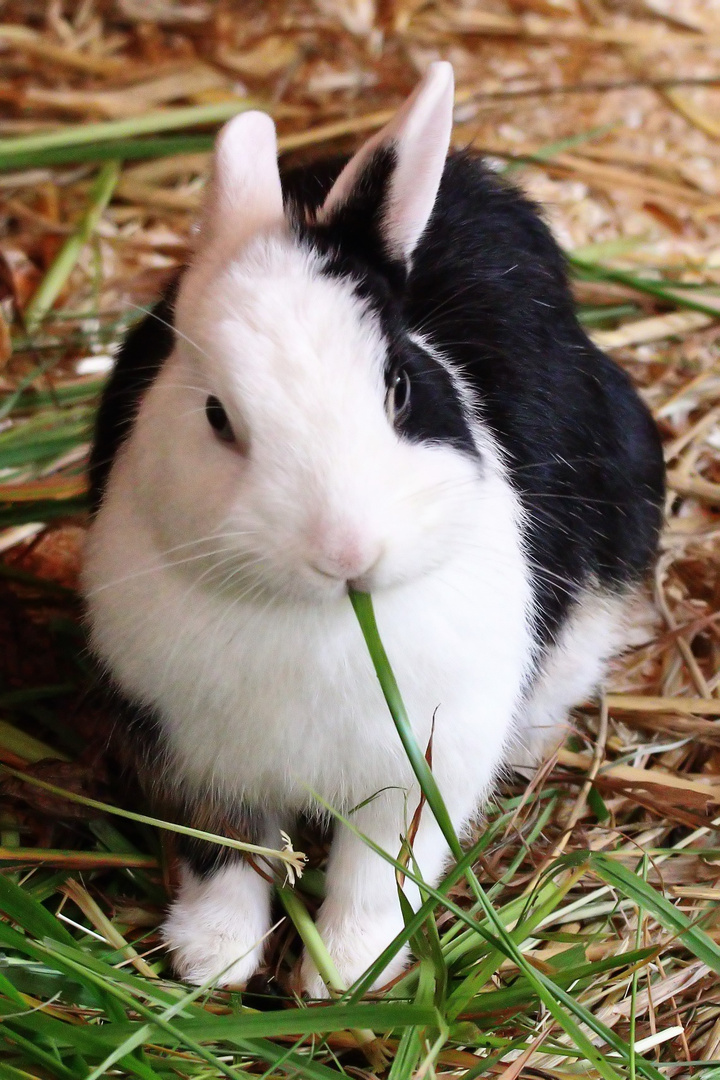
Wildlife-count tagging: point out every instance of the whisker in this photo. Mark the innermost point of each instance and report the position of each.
(168, 565)
(153, 315)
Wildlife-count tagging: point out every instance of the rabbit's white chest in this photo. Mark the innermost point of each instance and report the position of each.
(272, 702)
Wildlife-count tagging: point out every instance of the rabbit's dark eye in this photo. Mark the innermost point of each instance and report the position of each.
(397, 401)
(218, 421)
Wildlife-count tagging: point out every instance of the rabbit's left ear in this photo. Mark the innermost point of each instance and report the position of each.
(244, 195)
(394, 178)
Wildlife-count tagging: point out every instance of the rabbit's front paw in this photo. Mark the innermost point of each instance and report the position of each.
(216, 927)
(354, 940)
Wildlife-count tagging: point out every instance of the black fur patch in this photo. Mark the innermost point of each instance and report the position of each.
(435, 413)
(355, 231)
(489, 288)
(143, 351)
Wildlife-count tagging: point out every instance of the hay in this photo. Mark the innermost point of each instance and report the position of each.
(606, 113)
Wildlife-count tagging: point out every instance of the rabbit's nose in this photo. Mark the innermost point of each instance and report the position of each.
(349, 560)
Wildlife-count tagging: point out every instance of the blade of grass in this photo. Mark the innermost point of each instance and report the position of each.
(660, 289)
(324, 963)
(551, 995)
(9, 991)
(411, 928)
(480, 976)
(125, 1000)
(13, 398)
(48, 448)
(133, 1064)
(23, 909)
(92, 911)
(119, 847)
(546, 988)
(75, 860)
(14, 699)
(544, 153)
(293, 860)
(311, 939)
(66, 259)
(43, 1057)
(59, 487)
(520, 996)
(634, 986)
(362, 605)
(143, 1031)
(454, 941)
(646, 897)
(595, 316)
(318, 1020)
(74, 394)
(27, 912)
(9, 1072)
(43, 511)
(46, 425)
(242, 1029)
(132, 150)
(26, 746)
(609, 249)
(103, 131)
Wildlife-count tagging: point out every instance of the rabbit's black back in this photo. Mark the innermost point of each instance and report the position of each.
(489, 289)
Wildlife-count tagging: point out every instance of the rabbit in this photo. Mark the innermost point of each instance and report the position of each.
(370, 376)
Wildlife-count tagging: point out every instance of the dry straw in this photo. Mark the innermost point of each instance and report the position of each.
(603, 870)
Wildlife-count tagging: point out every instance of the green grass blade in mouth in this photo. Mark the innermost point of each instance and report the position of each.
(362, 605)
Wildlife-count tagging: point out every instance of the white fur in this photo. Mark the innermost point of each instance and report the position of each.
(217, 926)
(216, 579)
(571, 672)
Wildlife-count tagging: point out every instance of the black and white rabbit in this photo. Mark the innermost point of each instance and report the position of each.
(369, 375)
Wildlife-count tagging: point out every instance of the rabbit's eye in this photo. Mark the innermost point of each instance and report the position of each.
(218, 421)
(397, 401)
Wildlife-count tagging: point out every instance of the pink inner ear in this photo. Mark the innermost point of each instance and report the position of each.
(244, 195)
(420, 135)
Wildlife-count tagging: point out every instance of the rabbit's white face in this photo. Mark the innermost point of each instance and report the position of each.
(293, 479)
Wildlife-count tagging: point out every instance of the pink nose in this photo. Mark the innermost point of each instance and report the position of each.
(346, 562)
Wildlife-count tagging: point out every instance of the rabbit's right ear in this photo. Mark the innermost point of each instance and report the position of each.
(244, 194)
(388, 189)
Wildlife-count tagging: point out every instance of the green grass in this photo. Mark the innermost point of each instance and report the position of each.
(73, 1007)
(20, 152)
